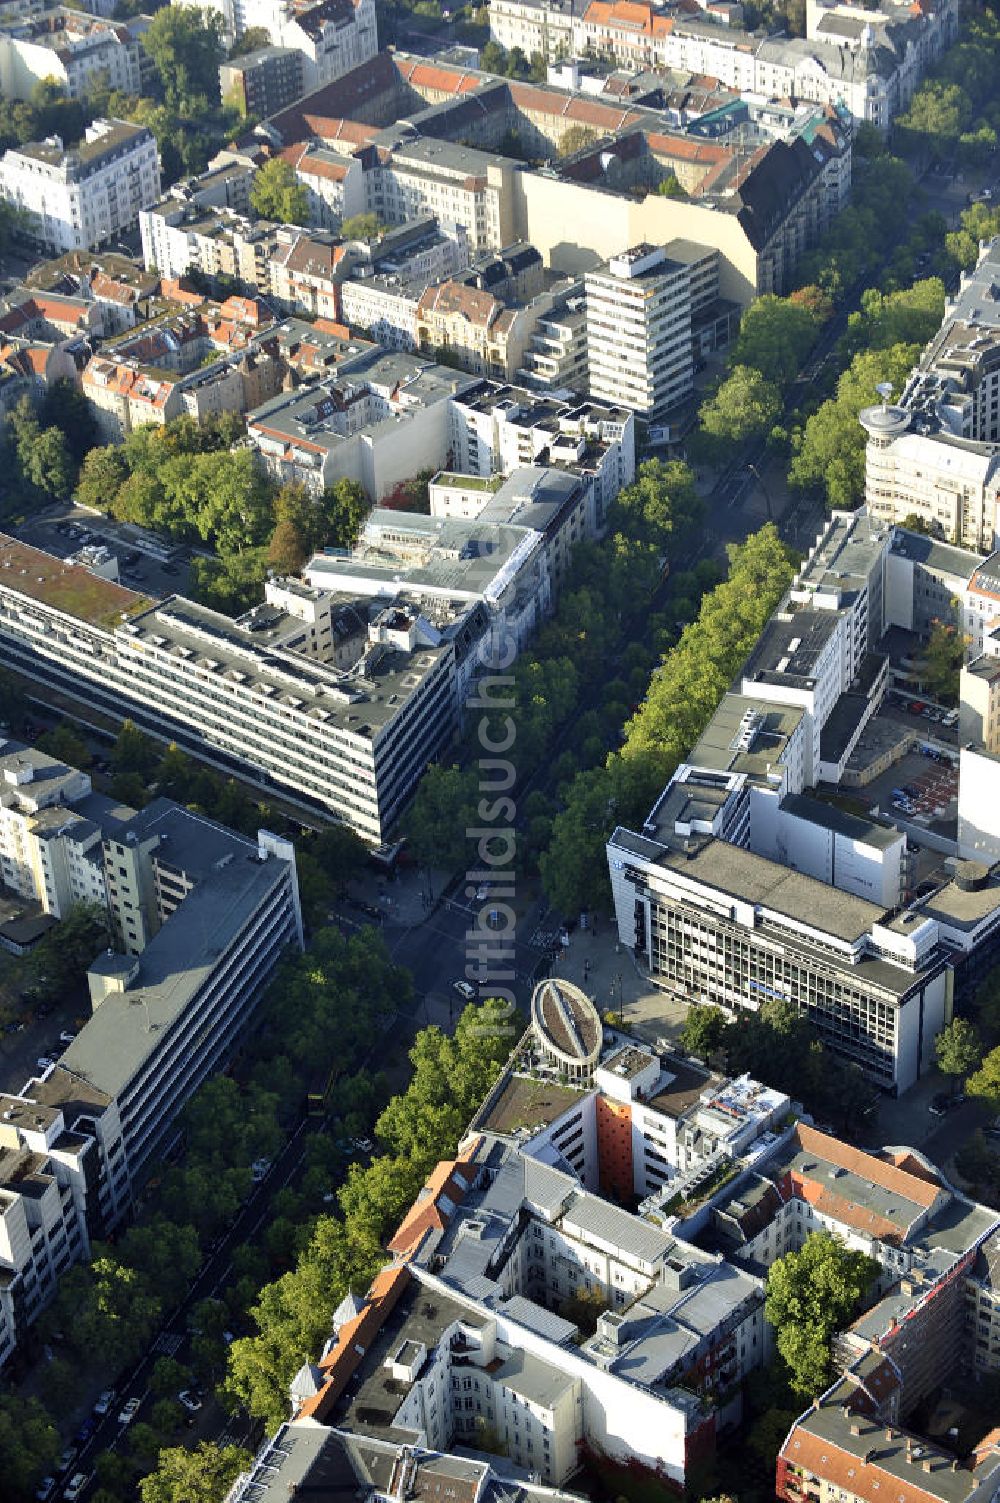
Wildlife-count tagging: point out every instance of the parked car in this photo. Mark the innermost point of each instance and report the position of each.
(75, 1486)
(129, 1411)
(67, 1036)
(45, 1489)
(465, 989)
(190, 1400)
(942, 1104)
(105, 1401)
(67, 1459)
(43, 1061)
(259, 1169)
(916, 707)
(85, 1431)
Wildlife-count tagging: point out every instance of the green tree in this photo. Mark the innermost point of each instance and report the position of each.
(252, 40)
(29, 1443)
(65, 407)
(185, 44)
(943, 661)
(810, 1295)
(362, 227)
(830, 451)
(910, 316)
(575, 138)
(776, 334)
(342, 510)
(958, 1049)
(203, 1475)
(703, 1031)
(669, 186)
(745, 406)
(277, 193)
(442, 812)
(102, 474)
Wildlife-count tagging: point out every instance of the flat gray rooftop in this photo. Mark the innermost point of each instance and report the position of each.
(754, 879)
(718, 747)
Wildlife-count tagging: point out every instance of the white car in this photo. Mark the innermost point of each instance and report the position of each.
(75, 1486)
(105, 1401)
(129, 1411)
(42, 1062)
(190, 1400)
(465, 989)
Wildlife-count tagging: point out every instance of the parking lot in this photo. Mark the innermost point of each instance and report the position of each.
(918, 790)
(145, 564)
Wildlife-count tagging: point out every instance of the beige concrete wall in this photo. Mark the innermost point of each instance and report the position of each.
(574, 227)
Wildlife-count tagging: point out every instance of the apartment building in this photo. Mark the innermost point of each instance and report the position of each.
(265, 81)
(334, 183)
(383, 417)
(78, 198)
(50, 851)
(385, 307)
(350, 744)
(494, 428)
(496, 571)
(43, 1212)
(556, 358)
(870, 61)
(932, 454)
(75, 49)
(421, 175)
(842, 1450)
(638, 307)
(331, 36)
(487, 337)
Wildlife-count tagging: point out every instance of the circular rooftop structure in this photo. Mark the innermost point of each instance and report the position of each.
(567, 1027)
(885, 421)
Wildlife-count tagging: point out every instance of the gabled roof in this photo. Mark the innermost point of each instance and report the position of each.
(446, 1188)
(354, 1339)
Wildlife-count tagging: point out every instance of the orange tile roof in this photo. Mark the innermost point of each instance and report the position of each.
(327, 326)
(311, 166)
(867, 1166)
(354, 1339)
(175, 291)
(865, 1480)
(627, 13)
(444, 80)
(449, 1181)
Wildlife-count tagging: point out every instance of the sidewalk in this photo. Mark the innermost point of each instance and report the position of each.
(609, 973)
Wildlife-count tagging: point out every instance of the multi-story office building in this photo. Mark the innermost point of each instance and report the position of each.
(639, 331)
(263, 82)
(77, 50)
(731, 928)
(240, 693)
(199, 916)
(76, 199)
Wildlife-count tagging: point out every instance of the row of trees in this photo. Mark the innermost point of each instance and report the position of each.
(322, 1009)
(587, 667)
(683, 695)
(451, 1076)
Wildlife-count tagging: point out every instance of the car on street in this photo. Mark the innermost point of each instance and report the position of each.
(43, 1061)
(66, 1460)
(129, 1411)
(942, 1104)
(67, 1036)
(45, 1489)
(465, 989)
(105, 1401)
(482, 892)
(259, 1170)
(190, 1400)
(85, 1431)
(75, 1486)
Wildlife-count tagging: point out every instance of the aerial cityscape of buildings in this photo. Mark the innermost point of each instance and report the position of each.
(485, 299)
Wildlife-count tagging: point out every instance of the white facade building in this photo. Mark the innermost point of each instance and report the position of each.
(79, 198)
(639, 331)
(78, 50)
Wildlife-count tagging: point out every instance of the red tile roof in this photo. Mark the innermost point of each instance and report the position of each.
(354, 1339)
